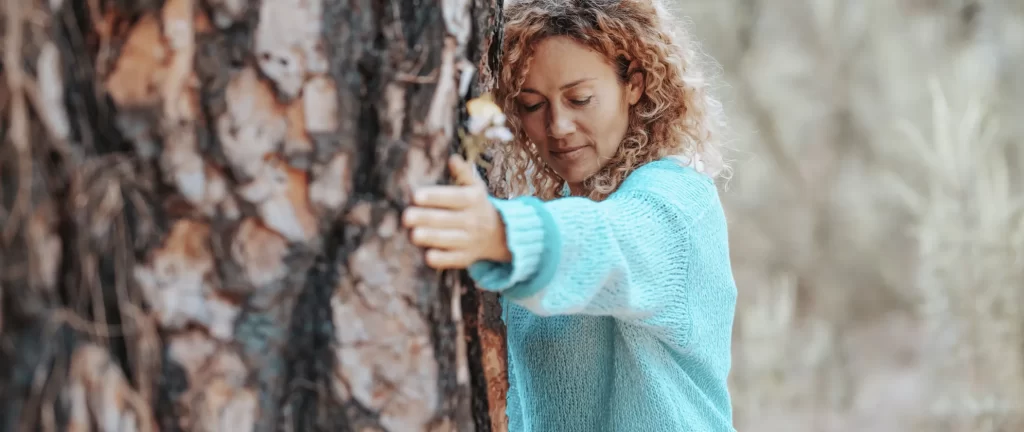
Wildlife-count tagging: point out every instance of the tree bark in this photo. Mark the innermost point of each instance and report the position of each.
(200, 207)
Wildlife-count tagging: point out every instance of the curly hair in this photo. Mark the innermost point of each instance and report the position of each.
(676, 115)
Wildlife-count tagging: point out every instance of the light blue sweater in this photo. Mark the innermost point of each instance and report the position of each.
(619, 312)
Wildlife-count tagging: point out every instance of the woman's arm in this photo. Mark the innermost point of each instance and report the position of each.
(626, 256)
(649, 252)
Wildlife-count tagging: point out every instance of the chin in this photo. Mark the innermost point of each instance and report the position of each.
(577, 169)
(576, 173)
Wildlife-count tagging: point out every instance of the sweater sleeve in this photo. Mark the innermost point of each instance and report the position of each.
(626, 256)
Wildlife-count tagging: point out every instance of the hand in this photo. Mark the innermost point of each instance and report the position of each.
(457, 224)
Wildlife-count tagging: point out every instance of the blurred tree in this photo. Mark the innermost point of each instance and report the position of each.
(200, 216)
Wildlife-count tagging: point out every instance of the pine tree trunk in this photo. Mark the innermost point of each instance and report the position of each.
(199, 216)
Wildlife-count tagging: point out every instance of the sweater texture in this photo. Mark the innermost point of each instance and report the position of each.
(619, 313)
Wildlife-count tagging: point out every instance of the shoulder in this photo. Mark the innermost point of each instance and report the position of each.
(682, 187)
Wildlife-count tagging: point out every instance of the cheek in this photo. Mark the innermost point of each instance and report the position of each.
(608, 127)
(535, 129)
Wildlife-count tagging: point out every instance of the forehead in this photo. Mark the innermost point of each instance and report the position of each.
(559, 60)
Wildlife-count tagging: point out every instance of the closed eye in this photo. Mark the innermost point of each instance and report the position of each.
(581, 102)
(532, 108)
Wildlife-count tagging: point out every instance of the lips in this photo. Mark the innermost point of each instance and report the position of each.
(569, 154)
(566, 150)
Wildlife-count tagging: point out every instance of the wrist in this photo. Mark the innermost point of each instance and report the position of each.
(498, 250)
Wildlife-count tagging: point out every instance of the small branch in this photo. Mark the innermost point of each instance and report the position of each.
(416, 79)
(66, 316)
(19, 132)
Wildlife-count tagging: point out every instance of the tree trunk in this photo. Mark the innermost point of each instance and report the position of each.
(200, 207)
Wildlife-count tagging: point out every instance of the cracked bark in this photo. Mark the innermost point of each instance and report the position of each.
(199, 208)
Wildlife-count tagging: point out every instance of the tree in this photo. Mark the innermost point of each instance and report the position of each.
(200, 216)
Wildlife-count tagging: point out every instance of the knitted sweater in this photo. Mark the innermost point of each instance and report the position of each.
(619, 313)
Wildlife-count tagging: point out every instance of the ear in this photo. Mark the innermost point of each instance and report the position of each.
(637, 83)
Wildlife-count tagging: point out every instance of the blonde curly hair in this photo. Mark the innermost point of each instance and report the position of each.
(676, 115)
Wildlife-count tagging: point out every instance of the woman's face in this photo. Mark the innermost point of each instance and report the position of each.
(575, 108)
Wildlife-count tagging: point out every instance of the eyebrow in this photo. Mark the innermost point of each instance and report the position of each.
(563, 87)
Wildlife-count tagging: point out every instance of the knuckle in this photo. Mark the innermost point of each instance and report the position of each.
(463, 238)
(430, 217)
(449, 218)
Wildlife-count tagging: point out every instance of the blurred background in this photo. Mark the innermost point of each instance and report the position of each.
(876, 210)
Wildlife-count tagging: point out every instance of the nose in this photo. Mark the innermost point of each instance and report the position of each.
(561, 124)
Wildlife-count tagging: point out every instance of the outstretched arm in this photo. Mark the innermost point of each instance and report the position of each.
(626, 256)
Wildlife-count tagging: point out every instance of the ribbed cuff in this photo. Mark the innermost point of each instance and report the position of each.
(524, 233)
(547, 263)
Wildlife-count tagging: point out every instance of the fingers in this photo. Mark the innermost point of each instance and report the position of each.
(440, 218)
(434, 218)
(469, 190)
(446, 260)
(440, 238)
(449, 197)
(463, 172)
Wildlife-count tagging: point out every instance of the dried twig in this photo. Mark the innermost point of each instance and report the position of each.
(19, 131)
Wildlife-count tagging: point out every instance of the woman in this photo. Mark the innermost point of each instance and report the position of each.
(615, 275)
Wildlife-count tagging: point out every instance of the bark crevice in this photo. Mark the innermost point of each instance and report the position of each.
(200, 203)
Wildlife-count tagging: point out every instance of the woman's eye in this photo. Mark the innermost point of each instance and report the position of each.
(582, 101)
(532, 108)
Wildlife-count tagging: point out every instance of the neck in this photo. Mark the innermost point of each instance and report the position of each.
(576, 189)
